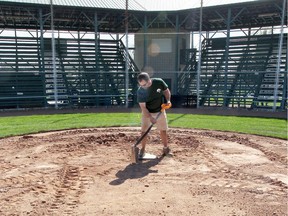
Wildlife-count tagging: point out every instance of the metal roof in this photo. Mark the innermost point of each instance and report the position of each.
(172, 5)
(79, 18)
(107, 4)
(140, 5)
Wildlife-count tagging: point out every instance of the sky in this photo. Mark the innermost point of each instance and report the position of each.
(159, 5)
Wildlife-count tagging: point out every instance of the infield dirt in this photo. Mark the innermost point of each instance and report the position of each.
(88, 172)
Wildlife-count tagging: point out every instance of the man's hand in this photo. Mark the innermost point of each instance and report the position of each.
(166, 105)
(153, 120)
(169, 104)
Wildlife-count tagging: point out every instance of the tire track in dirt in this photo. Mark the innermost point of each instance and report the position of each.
(68, 189)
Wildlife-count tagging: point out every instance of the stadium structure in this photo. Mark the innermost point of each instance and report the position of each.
(88, 53)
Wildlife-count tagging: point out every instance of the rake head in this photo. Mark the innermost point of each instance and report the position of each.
(134, 154)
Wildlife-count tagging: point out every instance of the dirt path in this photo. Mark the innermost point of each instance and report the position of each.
(88, 172)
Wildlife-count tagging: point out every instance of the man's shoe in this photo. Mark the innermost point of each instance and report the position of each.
(141, 153)
(166, 151)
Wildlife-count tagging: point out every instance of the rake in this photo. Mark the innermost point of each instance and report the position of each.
(134, 148)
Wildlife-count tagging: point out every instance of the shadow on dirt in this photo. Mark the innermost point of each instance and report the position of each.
(134, 171)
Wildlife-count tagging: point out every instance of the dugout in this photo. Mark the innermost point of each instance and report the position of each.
(76, 54)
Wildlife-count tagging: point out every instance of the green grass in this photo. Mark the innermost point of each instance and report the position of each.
(250, 125)
(20, 125)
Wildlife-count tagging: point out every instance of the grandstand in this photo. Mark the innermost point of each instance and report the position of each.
(90, 64)
(249, 80)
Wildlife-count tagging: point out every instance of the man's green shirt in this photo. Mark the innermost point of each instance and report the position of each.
(152, 96)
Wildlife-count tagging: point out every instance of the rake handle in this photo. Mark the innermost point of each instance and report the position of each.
(142, 137)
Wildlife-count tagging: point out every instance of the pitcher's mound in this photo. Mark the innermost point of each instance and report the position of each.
(88, 172)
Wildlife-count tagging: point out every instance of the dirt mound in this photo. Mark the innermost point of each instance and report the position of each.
(88, 172)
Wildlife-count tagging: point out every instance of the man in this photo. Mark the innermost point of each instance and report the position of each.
(150, 98)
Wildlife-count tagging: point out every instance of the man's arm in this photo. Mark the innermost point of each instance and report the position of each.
(167, 95)
(146, 112)
(144, 109)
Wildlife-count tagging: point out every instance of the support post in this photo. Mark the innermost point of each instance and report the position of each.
(175, 86)
(145, 41)
(200, 55)
(53, 57)
(276, 84)
(42, 54)
(126, 60)
(225, 99)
